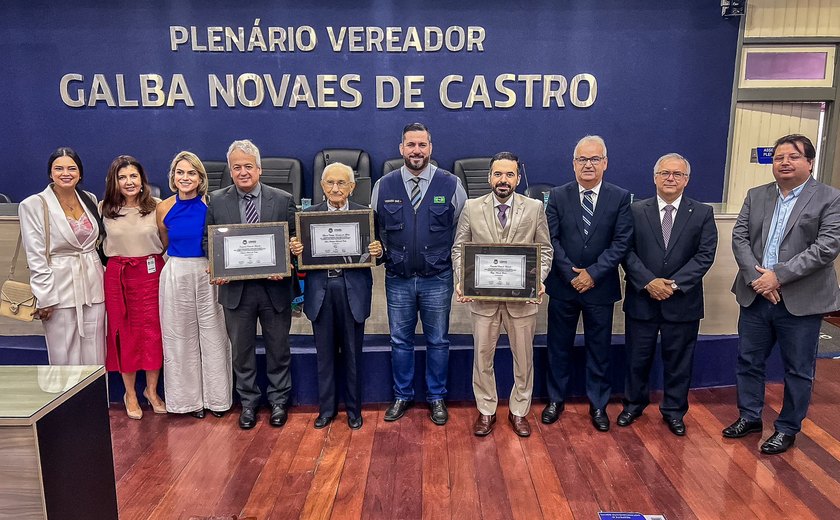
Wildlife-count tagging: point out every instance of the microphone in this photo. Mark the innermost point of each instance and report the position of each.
(524, 175)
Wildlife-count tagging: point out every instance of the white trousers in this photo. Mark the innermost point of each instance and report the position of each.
(65, 344)
(197, 370)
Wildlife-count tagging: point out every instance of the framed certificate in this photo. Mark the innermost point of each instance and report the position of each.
(335, 239)
(249, 251)
(500, 272)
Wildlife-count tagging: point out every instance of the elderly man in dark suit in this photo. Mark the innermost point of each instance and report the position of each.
(337, 301)
(674, 243)
(785, 241)
(591, 227)
(244, 302)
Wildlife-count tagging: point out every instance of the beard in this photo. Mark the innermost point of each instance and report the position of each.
(503, 190)
(421, 163)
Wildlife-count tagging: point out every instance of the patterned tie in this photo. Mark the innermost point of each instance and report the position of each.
(667, 224)
(588, 210)
(251, 215)
(415, 192)
(503, 214)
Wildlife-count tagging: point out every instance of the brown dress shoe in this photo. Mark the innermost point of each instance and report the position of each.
(484, 424)
(520, 425)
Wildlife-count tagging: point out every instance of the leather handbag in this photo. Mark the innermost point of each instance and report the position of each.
(16, 299)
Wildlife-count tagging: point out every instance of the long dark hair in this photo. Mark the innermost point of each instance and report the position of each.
(65, 151)
(114, 200)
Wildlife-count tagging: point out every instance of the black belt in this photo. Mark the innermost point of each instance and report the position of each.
(335, 273)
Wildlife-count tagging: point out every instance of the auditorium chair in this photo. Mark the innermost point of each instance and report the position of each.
(473, 172)
(358, 160)
(396, 163)
(217, 171)
(285, 173)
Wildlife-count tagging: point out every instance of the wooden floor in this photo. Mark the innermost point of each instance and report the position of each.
(181, 468)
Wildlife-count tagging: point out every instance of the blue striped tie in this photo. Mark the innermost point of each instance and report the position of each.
(251, 215)
(588, 211)
(415, 193)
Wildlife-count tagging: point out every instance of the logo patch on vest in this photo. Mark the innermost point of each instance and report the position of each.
(440, 200)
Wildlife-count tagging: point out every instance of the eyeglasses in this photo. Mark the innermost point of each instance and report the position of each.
(678, 176)
(594, 160)
(793, 157)
(339, 184)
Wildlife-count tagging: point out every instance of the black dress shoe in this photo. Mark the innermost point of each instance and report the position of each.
(626, 418)
(198, 414)
(218, 414)
(247, 418)
(777, 443)
(354, 422)
(278, 415)
(552, 412)
(742, 427)
(323, 421)
(676, 425)
(600, 419)
(397, 409)
(438, 412)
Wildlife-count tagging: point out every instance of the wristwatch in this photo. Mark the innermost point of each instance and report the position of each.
(674, 286)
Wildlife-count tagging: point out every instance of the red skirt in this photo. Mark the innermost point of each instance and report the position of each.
(131, 302)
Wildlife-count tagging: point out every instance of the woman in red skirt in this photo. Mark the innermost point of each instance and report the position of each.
(134, 249)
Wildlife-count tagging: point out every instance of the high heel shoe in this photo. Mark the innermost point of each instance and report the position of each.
(132, 415)
(157, 408)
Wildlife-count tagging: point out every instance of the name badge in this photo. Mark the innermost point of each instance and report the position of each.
(151, 267)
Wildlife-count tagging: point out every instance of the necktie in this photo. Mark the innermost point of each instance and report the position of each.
(503, 214)
(667, 224)
(251, 215)
(588, 210)
(415, 193)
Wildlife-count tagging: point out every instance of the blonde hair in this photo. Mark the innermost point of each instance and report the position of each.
(195, 162)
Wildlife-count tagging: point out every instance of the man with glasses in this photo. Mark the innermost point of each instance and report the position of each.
(785, 241)
(503, 217)
(674, 244)
(417, 208)
(591, 228)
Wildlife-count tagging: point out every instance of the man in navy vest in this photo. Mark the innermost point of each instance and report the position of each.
(417, 208)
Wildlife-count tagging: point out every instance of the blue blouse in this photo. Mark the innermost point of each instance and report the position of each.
(185, 227)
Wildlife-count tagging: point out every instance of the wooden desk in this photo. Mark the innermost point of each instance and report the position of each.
(55, 444)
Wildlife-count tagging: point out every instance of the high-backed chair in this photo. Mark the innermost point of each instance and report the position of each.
(217, 172)
(473, 173)
(396, 163)
(285, 173)
(359, 160)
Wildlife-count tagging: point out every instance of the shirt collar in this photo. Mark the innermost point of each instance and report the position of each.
(509, 202)
(255, 192)
(594, 190)
(662, 203)
(345, 207)
(426, 174)
(794, 192)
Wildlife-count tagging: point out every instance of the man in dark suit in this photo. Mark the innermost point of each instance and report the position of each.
(785, 241)
(337, 301)
(591, 228)
(674, 243)
(270, 301)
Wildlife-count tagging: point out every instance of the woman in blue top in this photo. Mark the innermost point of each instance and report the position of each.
(196, 349)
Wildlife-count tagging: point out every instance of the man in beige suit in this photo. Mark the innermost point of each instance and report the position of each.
(503, 217)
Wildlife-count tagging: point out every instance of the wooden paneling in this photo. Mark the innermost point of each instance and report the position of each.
(20, 484)
(801, 18)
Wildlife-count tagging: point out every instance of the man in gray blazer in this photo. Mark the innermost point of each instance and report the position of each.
(785, 241)
(269, 300)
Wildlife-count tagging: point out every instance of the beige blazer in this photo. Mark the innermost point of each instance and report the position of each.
(526, 225)
(74, 275)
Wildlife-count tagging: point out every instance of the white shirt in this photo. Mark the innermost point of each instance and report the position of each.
(594, 191)
(662, 205)
(345, 207)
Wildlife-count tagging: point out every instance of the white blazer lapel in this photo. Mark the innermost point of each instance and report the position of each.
(59, 224)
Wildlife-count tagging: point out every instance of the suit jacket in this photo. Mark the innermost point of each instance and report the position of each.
(73, 277)
(526, 225)
(276, 206)
(690, 254)
(810, 243)
(600, 253)
(359, 283)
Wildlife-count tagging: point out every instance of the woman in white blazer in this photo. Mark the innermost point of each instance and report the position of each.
(68, 282)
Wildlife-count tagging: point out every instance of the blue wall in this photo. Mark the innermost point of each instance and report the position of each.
(663, 68)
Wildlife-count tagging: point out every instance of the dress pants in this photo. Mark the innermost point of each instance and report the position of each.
(65, 344)
(520, 332)
(678, 341)
(338, 340)
(760, 326)
(242, 328)
(562, 327)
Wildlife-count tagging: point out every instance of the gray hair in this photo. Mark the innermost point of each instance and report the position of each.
(340, 166)
(246, 146)
(590, 139)
(673, 155)
(196, 163)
